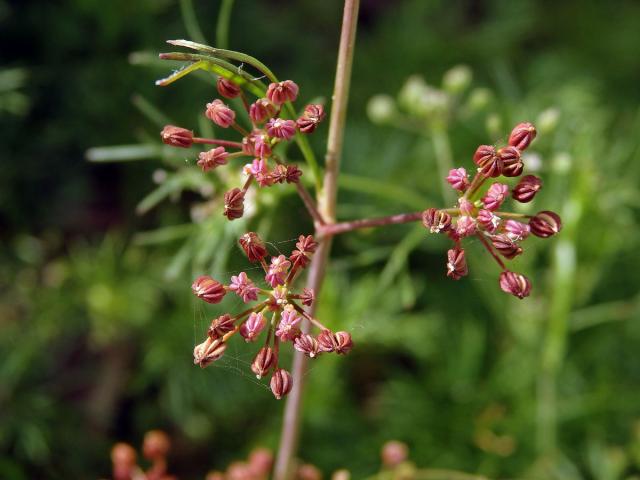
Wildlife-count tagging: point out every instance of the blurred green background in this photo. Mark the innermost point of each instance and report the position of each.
(97, 322)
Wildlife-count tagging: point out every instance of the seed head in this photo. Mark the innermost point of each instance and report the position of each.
(281, 128)
(227, 88)
(458, 179)
(494, 197)
(208, 289)
(221, 325)
(312, 116)
(489, 163)
(208, 352)
(522, 135)
(264, 361)
(262, 110)
(253, 326)
(244, 287)
(435, 220)
(212, 158)
(306, 344)
(234, 204)
(220, 114)
(516, 284)
(506, 246)
(281, 383)
(253, 246)
(526, 188)
(281, 92)
(545, 224)
(512, 165)
(176, 136)
(456, 263)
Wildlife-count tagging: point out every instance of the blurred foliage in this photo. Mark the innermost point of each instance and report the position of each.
(97, 324)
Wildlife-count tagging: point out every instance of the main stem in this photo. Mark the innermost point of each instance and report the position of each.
(327, 198)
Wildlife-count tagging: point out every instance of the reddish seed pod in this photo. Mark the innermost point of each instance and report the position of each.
(506, 246)
(281, 383)
(282, 92)
(234, 204)
(512, 165)
(208, 352)
(220, 114)
(306, 344)
(221, 325)
(227, 88)
(264, 361)
(326, 341)
(489, 163)
(212, 158)
(208, 289)
(176, 136)
(312, 116)
(435, 220)
(293, 174)
(545, 224)
(456, 263)
(262, 110)
(308, 297)
(526, 189)
(343, 343)
(522, 135)
(253, 246)
(516, 284)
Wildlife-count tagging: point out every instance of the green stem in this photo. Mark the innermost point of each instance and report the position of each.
(222, 27)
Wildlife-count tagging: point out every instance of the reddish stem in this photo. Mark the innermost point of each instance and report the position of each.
(336, 228)
(310, 204)
(215, 141)
(490, 249)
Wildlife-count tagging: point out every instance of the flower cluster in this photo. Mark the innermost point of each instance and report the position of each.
(269, 128)
(479, 211)
(279, 311)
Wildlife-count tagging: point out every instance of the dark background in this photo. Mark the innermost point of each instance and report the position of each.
(96, 320)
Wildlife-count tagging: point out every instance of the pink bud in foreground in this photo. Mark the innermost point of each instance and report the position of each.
(220, 114)
(262, 110)
(176, 136)
(506, 246)
(212, 158)
(517, 231)
(306, 344)
(456, 263)
(526, 188)
(326, 341)
(465, 226)
(488, 161)
(488, 220)
(522, 135)
(516, 284)
(393, 453)
(282, 92)
(494, 197)
(312, 116)
(208, 289)
(281, 128)
(458, 179)
(253, 326)
(281, 383)
(545, 224)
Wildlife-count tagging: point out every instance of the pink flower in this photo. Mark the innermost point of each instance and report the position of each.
(516, 284)
(261, 110)
(288, 327)
(281, 128)
(306, 344)
(177, 136)
(227, 88)
(208, 289)
(457, 178)
(244, 288)
(495, 196)
(516, 230)
(261, 146)
(220, 114)
(466, 207)
(212, 158)
(312, 116)
(253, 326)
(282, 92)
(522, 135)
(277, 271)
(465, 226)
(456, 263)
(488, 220)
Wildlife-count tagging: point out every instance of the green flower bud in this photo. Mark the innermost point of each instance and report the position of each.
(457, 79)
(381, 109)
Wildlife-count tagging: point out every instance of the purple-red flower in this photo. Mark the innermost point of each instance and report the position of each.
(281, 92)
(253, 326)
(458, 179)
(488, 220)
(306, 344)
(227, 88)
(280, 128)
(526, 188)
(517, 231)
(522, 135)
(281, 383)
(244, 288)
(489, 163)
(288, 328)
(277, 270)
(253, 246)
(220, 114)
(263, 362)
(516, 284)
(212, 158)
(234, 204)
(545, 224)
(496, 194)
(456, 264)
(262, 110)
(309, 120)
